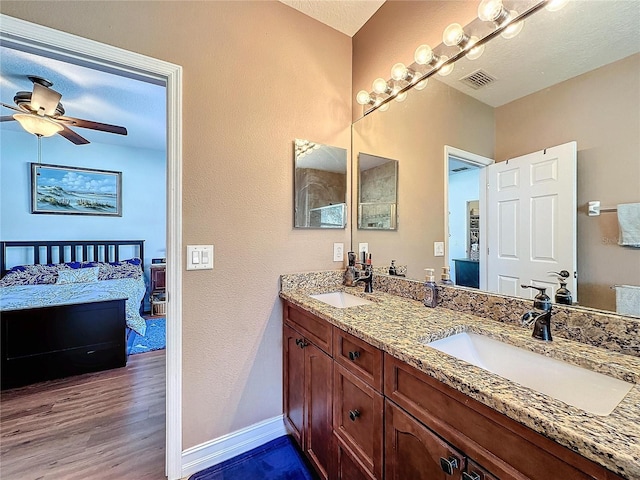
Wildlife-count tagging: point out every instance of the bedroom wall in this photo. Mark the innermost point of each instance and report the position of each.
(143, 192)
(256, 76)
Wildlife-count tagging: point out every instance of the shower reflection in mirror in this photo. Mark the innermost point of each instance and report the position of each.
(320, 185)
(377, 192)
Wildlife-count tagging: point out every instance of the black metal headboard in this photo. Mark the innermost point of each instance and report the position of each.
(60, 251)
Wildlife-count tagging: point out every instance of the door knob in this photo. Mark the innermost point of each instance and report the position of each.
(471, 476)
(301, 343)
(353, 414)
(354, 355)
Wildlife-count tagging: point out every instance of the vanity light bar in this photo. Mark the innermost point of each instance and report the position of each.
(468, 45)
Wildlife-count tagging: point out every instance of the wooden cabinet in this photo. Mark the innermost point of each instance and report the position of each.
(413, 451)
(158, 277)
(308, 387)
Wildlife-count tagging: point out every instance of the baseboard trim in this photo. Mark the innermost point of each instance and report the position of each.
(223, 448)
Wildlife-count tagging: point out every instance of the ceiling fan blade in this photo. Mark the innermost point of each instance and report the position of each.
(44, 100)
(6, 118)
(72, 136)
(103, 127)
(12, 107)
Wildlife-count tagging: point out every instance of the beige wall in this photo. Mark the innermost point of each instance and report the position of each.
(415, 132)
(396, 30)
(600, 110)
(256, 76)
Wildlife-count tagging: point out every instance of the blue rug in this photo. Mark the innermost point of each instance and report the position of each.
(279, 459)
(154, 339)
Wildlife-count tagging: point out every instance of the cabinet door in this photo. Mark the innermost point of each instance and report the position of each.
(412, 451)
(358, 418)
(318, 380)
(294, 387)
(348, 466)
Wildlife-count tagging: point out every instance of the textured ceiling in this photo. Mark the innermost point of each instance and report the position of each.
(346, 16)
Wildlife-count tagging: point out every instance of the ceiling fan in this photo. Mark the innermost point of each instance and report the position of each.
(41, 113)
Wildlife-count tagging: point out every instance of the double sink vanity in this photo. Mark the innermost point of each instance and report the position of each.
(380, 386)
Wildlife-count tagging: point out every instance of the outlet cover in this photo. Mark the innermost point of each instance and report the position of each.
(338, 252)
(438, 249)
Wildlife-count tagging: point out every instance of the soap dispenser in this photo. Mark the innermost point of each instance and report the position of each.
(350, 274)
(445, 277)
(430, 289)
(563, 295)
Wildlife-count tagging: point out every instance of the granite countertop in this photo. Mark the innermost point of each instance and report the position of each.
(401, 326)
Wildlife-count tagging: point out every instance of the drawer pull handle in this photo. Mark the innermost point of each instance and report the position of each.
(354, 355)
(301, 343)
(471, 476)
(448, 465)
(353, 414)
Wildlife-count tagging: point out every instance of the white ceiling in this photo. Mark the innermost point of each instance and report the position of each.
(346, 16)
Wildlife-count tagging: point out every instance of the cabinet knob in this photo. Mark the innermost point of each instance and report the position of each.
(471, 476)
(353, 414)
(301, 343)
(448, 465)
(354, 355)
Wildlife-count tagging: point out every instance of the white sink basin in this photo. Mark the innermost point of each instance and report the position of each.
(588, 390)
(341, 299)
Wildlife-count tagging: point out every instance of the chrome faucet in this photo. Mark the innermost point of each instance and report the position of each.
(540, 316)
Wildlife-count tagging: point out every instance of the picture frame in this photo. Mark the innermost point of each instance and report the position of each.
(61, 190)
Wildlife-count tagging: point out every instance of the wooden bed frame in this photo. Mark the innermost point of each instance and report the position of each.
(45, 343)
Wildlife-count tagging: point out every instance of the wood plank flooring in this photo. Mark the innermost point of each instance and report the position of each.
(104, 425)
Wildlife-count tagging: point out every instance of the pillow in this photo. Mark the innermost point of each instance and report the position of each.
(79, 275)
(32, 275)
(130, 268)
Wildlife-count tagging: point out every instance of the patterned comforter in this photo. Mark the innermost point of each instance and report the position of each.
(33, 296)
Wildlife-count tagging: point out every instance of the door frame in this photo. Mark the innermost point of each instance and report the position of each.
(48, 42)
(482, 163)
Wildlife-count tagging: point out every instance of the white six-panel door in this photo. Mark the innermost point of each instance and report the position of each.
(531, 203)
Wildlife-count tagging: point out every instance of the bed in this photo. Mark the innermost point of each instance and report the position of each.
(68, 307)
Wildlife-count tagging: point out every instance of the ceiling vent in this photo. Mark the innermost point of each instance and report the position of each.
(459, 169)
(477, 79)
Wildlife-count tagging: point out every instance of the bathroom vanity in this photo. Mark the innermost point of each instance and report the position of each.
(366, 398)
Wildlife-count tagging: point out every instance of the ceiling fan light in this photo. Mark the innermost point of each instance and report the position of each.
(37, 125)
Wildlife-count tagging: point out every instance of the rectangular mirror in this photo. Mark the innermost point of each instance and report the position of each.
(320, 185)
(377, 192)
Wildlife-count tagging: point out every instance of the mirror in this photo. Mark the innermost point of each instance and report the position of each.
(320, 185)
(377, 192)
(544, 94)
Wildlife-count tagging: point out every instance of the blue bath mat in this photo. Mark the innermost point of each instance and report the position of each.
(154, 339)
(277, 460)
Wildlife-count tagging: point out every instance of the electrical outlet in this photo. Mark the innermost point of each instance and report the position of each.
(362, 247)
(438, 249)
(338, 252)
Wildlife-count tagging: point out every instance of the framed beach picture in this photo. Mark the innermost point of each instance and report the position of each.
(75, 191)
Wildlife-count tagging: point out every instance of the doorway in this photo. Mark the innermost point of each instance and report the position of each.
(47, 42)
(465, 230)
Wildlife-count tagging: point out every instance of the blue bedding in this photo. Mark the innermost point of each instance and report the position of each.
(20, 297)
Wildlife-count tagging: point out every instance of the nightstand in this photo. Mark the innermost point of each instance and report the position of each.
(158, 297)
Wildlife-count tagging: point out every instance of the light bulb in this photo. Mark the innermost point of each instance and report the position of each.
(363, 97)
(401, 97)
(421, 84)
(490, 10)
(555, 5)
(447, 69)
(380, 86)
(453, 35)
(423, 55)
(399, 72)
(385, 107)
(474, 52)
(512, 29)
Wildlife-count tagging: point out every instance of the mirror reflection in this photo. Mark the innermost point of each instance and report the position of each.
(592, 100)
(320, 185)
(377, 192)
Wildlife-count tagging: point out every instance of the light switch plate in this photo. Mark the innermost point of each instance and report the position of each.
(199, 257)
(438, 249)
(338, 252)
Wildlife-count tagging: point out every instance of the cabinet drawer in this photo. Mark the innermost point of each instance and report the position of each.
(348, 467)
(357, 356)
(357, 418)
(507, 448)
(315, 329)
